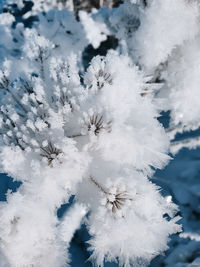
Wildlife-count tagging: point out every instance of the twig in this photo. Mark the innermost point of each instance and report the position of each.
(75, 135)
(98, 185)
(190, 143)
(172, 131)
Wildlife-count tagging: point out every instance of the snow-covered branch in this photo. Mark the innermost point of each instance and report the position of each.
(190, 143)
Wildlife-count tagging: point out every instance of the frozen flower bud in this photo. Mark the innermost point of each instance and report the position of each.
(111, 198)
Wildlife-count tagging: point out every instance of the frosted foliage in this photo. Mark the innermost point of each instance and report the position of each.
(35, 45)
(124, 21)
(61, 28)
(38, 247)
(35, 150)
(121, 22)
(119, 196)
(154, 41)
(96, 32)
(121, 103)
(61, 138)
(182, 77)
(93, 134)
(142, 213)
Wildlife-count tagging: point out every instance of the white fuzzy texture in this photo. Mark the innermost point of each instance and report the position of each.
(75, 215)
(132, 116)
(121, 159)
(182, 77)
(97, 138)
(61, 28)
(36, 151)
(149, 230)
(96, 32)
(98, 142)
(34, 207)
(164, 25)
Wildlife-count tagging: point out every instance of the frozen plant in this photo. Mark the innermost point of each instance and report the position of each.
(97, 140)
(95, 134)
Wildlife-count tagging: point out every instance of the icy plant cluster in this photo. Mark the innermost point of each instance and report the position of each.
(93, 133)
(168, 57)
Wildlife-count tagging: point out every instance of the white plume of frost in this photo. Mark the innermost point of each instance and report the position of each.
(143, 214)
(129, 206)
(96, 32)
(182, 78)
(75, 215)
(154, 42)
(121, 98)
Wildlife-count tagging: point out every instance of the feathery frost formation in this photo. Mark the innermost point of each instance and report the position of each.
(93, 134)
(61, 138)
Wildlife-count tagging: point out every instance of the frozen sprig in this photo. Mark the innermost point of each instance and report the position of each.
(63, 135)
(50, 152)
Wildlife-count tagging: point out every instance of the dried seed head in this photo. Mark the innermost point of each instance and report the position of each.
(96, 124)
(115, 202)
(116, 199)
(50, 152)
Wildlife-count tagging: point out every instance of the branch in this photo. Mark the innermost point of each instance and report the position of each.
(171, 132)
(98, 185)
(191, 236)
(76, 135)
(190, 143)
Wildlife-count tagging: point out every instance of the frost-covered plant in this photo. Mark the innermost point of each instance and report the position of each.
(95, 135)
(99, 141)
(61, 28)
(169, 58)
(21, 27)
